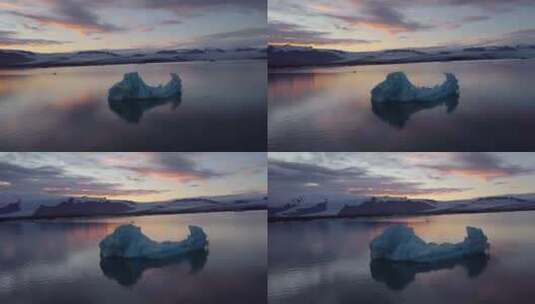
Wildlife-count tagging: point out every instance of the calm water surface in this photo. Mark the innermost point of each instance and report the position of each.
(327, 261)
(329, 109)
(68, 109)
(58, 262)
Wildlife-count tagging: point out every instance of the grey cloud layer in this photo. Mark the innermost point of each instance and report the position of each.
(9, 38)
(185, 6)
(391, 16)
(70, 14)
(174, 165)
(27, 177)
(287, 178)
(382, 14)
(55, 181)
(482, 165)
(281, 33)
(84, 16)
(251, 37)
(397, 174)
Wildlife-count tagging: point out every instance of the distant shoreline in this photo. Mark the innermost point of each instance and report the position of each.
(85, 64)
(288, 56)
(133, 214)
(276, 68)
(319, 217)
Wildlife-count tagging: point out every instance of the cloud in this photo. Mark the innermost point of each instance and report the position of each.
(289, 33)
(70, 14)
(292, 171)
(248, 37)
(491, 5)
(290, 178)
(525, 36)
(52, 180)
(378, 14)
(102, 189)
(392, 16)
(522, 33)
(465, 20)
(245, 33)
(171, 22)
(171, 166)
(475, 18)
(479, 165)
(96, 18)
(189, 7)
(8, 39)
(488, 5)
(383, 16)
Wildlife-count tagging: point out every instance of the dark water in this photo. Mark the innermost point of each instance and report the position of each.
(327, 261)
(329, 109)
(58, 262)
(222, 108)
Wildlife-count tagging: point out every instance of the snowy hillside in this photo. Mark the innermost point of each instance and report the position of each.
(330, 205)
(87, 206)
(293, 56)
(16, 58)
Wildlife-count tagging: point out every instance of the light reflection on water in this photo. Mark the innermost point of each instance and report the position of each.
(58, 262)
(68, 109)
(327, 261)
(329, 109)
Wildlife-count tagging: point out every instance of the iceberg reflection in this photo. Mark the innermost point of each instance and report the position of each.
(398, 114)
(399, 275)
(128, 272)
(132, 111)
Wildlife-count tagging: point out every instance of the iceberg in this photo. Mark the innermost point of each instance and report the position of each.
(132, 87)
(400, 243)
(127, 241)
(397, 88)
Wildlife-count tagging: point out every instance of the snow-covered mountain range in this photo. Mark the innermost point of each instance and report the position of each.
(346, 205)
(20, 59)
(296, 56)
(88, 206)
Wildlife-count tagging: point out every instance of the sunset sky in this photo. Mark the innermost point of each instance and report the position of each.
(134, 176)
(441, 176)
(73, 25)
(363, 25)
